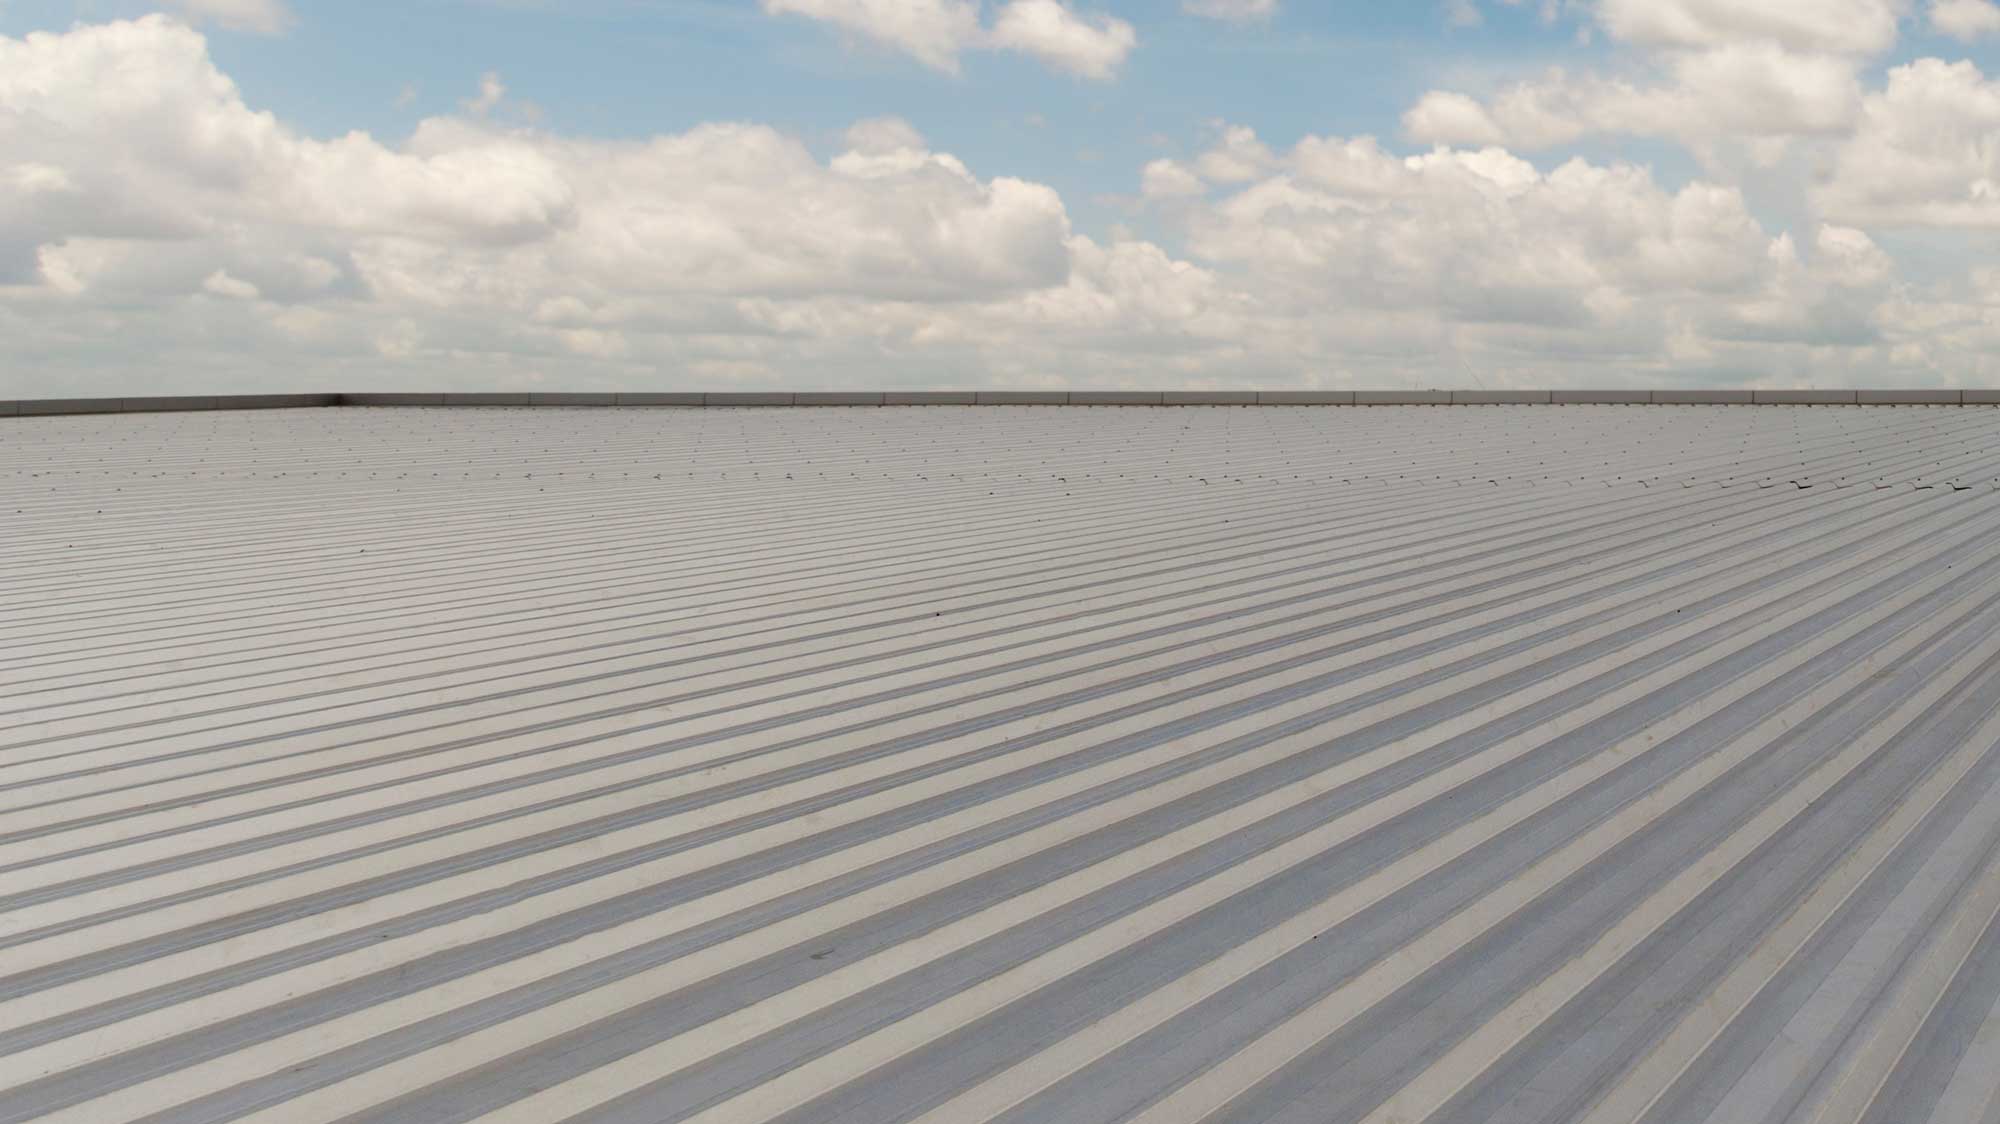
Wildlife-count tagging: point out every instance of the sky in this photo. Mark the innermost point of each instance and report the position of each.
(221, 196)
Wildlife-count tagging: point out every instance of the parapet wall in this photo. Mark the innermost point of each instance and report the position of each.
(42, 407)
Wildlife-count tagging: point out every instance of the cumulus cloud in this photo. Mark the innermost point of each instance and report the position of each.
(1708, 73)
(1926, 152)
(1169, 179)
(1355, 248)
(1237, 157)
(1447, 117)
(492, 91)
(152, 220)
(724, 207)
(1093, 46)
(934, 32)
(1966, 20)
(878, 136)
(1840, 26)
(1484, 235)
(1915, 149)
(1232, 11)
(222, 284)
(135, 176)
(937, 32)
(1739, 90)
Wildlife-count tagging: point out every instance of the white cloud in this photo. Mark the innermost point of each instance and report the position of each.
(1093, 46)
(938, 32)
(1723, 77)
(1354, 249)
(1233, 11)
(1966, 20)
(935, 32)
(1729, 80)
(1445, 117)
(492, 92)
(1926, 153)
(1841, 26)
(1780, 84)
(1746, 90)
(1548, 11)
(135, 178)
(223, 285)
(129, 134)
(262, 17)
(150, 219)
(1484, 233)
(1168, 179)
(878, 136)
(1236, 158)
(1849, 257)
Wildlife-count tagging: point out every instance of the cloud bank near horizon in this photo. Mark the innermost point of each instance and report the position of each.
(158, 233)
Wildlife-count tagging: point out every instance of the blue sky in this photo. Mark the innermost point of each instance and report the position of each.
(1623, 94)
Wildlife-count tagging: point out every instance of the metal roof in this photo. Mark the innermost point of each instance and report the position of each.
(1510, 764)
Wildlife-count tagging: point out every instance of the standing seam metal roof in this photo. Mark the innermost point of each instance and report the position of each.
(1511, 764)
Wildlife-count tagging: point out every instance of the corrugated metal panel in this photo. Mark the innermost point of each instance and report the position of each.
(1510, 764)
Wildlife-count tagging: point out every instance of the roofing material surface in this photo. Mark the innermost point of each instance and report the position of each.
(1511, 764)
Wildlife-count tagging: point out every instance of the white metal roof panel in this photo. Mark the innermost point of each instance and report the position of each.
(1518, 763)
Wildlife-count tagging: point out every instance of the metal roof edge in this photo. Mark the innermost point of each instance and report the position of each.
(41, 407)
